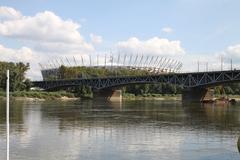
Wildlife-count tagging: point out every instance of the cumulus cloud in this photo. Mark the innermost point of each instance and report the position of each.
(153, 46)
(96, 39)
(44, 27)
(25, 55)
(167, 30)
(7, 13)
(47, 36)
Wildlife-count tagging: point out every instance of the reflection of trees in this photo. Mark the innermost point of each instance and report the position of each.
(212, 116)
(16, 116)
(88, 114)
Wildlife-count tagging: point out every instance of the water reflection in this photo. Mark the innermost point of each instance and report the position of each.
(238, 144)
(16, 117)
(121, 130)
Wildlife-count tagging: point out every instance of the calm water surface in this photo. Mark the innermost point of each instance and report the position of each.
(141, 130)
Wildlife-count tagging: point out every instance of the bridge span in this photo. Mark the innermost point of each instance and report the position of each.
(195, 84)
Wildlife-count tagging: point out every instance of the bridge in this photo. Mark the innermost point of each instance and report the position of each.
(195, 84)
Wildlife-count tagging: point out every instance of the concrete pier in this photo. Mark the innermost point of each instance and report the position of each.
(108, 94)
(197, 94)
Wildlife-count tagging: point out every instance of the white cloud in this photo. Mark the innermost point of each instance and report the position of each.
(167, 30)
(25, 55)
(96, 39)
(44, 27)
(233, 51)
(7, 13)
(47, 36)
(153, 46)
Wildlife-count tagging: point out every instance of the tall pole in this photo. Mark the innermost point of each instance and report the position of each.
(7, 114)
(90, 61)
(221, 63)
(231, 64)
(198, 66)
(82, 61)
(105, 62)
(97, 61)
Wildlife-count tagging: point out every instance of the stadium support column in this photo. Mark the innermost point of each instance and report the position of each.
(108, 94)
(197, 94)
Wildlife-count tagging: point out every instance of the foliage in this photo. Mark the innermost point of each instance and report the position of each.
(39, 94)
(136, 89)
(17, 76)
(87, 72)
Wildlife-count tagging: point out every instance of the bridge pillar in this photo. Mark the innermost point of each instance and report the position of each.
(108, 94)
(197, 94)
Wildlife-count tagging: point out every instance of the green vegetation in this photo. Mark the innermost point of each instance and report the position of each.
(20, 85)
(39, 94)
(143, 90)
(17, 76)
(86, 72)
(152, 96)
(138, 89)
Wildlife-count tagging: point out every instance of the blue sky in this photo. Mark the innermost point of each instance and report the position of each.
(202, 27)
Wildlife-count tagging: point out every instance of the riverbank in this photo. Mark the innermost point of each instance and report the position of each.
(64, 96)
(175, 97)
(40, 95)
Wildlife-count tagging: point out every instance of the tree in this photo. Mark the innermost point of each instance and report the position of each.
(17, 75)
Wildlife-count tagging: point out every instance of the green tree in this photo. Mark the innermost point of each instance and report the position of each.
(17, 75)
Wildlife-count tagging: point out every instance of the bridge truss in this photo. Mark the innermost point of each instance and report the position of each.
(186, 80)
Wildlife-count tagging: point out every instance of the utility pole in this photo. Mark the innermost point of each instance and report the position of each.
(207, 66)
(82, 61)
(231, 64)
(221, 63)
(198, 66)
(124, 59)
(105, 61)
(7, 114)
(111, 59)
(90, 60)
(118, 59)
(97, 60)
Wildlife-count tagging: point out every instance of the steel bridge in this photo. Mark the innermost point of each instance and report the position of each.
(186, 80)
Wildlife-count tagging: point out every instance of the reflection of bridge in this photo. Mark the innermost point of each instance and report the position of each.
(195, 84)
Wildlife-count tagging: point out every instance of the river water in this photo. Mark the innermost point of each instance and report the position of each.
(141, 130)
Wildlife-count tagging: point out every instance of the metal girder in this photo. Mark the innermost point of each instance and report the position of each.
(187, 80)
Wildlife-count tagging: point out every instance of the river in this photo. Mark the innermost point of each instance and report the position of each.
(128, 130)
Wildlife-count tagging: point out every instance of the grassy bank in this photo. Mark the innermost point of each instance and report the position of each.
(40, 94)
(152, 96)
(61, 94)
(68, 95)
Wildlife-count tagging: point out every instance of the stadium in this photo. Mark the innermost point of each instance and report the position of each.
(133, 63)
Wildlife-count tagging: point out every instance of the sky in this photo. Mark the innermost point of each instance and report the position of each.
(187, 30)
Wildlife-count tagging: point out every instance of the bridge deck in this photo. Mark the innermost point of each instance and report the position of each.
(186, 80)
